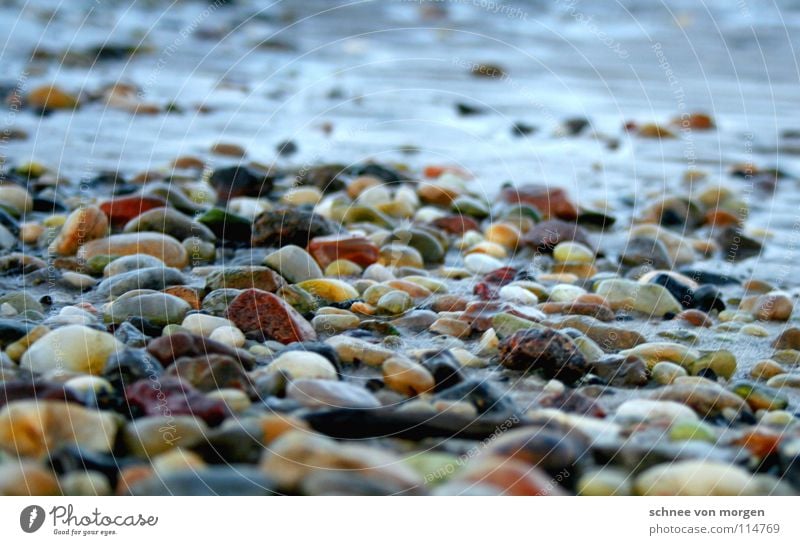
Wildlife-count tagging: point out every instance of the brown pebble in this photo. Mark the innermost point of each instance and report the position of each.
(697, 318)
(227, 149)
(449, 303)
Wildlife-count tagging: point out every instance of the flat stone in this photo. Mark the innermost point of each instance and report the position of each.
(313, 393)
(169, 221)
(149, 278)
(358, 249)
(164, 247)
(651, 299)
(157, 308)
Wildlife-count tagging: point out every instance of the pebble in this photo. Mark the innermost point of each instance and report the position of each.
(547, 350)
(650, 410)
(395, 302)
(605, 481)
(34, 428)
(665, 372)
(721, 362)
(159, 309)
(760, 397)
(264, 315)
(303, 365)
(27, 478)
(651, 299)
(573, 252)
(481, 263)
(121, 210)
(695, 478)
(72, 348)
(773, 307)
(203, 324)
(706, 400)
(315, 393)
(407, 377)
(153, 435)
(653, 353)
(358, 249)
(242, 278)
(352, 350)
(294, 264)
(84, 224)
(329, 289)
(164, 247)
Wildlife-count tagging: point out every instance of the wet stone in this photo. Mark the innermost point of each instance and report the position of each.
(286, 226)
(548, 351)
(242, 278)
(264, 315)
(164, 247)
(327, 393)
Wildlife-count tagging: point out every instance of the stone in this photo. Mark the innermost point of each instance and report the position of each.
(395, 302)
(227, 226)
(788, 339)
(264, 315)
(294, 264)
(358, 249)
(651, 299)
(766, 369)
(51, 97)
(650, 410)
(695, 478)
(654, 352)
(164, 247)
(315, 393)
(262, 278)
(169, 221)
(157, 308)
(175, 396)
(550, 449)
(707, 401)
(604, 481)
(736, 246)
(148, 278)
(229, 335)
(290, 226)
(645, 251)
(130, 263)
(547, 350)
(300, 364)
(296, 455)
(721, 362)
(169, 348)
(27, 478)
(239, 181)
(203, 324)
(451, 327)
(773, 307)
(481, 263)
(72, 348)
(407, 377)
(692, 431)
(572, 252)
(608, 337)
(153, 435)
(622, 371)
(121, 210)
(229, 480)
(665, 372)
(760, 397)
(353, 350)
(329, 289)
(550, 201)
(34, 428)
(545, 236)
(212, 372)
(84, 224)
